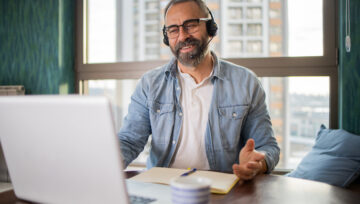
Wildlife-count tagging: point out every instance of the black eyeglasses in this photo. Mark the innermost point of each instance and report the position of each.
(190, 26)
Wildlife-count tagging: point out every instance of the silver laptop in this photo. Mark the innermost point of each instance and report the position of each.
(64, 149)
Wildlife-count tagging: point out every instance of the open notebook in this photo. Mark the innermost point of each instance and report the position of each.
(222, 183)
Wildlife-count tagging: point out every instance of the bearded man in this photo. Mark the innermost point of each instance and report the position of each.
(202, 112)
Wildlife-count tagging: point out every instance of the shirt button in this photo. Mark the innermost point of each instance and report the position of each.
(180, 114)
(158, 110)
(234, 115)
(173, 142)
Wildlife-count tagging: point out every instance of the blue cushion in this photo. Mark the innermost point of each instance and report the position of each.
(334, 159)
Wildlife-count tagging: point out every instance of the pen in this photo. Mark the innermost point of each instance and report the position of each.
(189, 172)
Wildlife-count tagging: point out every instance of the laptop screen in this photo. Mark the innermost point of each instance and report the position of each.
(62, 149)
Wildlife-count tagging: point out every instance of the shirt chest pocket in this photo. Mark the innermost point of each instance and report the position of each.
(159, 109)
(162, 121)
(231, 121)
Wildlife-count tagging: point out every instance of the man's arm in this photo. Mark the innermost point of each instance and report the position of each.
(136, 128)
(261, 152)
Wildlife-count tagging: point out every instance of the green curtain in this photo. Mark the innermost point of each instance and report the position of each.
(349, 69)
(37, 45)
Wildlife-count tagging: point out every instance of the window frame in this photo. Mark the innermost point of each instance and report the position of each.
(325, 65)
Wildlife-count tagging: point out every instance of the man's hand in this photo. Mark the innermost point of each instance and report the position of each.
(252, 162)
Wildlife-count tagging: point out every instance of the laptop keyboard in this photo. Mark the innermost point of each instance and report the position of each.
(140, 200)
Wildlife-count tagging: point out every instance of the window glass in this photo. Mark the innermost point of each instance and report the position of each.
(297, 106)
(236, 47)
(275, 13)
(152, 5)
(152, 28)
(275, 47)
(235, 13)
(254, 47)
(119, 93)
(254, 13)
(305, 31)
(275, 30)
(152, 16)
(101, 35)
(254, 29)
(236, 30)
(118, 31)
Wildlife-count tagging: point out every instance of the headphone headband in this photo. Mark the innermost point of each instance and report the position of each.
(211, 28)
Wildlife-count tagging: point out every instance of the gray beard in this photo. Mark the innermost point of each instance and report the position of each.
(193, 58)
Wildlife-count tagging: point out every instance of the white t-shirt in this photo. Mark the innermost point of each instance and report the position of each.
(195, 102)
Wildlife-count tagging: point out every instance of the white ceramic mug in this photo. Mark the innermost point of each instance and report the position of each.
(190, 190)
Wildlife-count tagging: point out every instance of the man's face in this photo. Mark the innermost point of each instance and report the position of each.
(189, 49)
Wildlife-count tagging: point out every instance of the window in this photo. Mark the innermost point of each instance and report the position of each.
(254, 13)
(254, 29)
(275, 47)
(275, 13)
(152, 28)
(120, 40)
(152, 5)
(297, 107)
(152, 16)
(236, 47)
(275, 30)
(235, 13)
(116, 33)
(236, 30)
(153, 39)
(254, 47)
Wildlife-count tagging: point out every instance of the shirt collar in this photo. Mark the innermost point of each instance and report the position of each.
(171, 68)
(217, 71)
(186, 78)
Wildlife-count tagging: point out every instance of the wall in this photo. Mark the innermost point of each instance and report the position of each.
(37, 45)
(349, 69)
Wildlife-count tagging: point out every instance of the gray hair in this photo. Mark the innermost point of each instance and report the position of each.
(200, 3)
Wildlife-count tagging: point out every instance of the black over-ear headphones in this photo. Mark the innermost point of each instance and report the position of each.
(211, 28)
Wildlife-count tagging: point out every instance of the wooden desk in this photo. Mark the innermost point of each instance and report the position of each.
(280, 189)
(266, 189)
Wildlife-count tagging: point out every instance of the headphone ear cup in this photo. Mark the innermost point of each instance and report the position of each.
(165, 37)
(211, 28)
(166, 40)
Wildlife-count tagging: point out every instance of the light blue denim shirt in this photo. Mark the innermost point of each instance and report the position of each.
(237, 112)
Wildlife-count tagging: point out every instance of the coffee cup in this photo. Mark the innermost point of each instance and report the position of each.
(190, 190)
